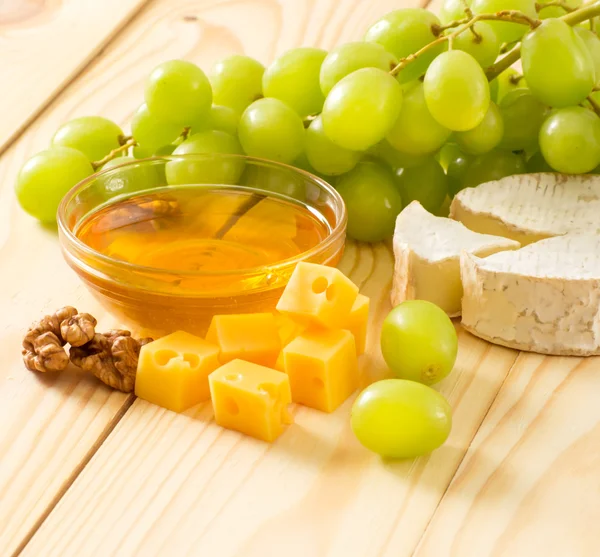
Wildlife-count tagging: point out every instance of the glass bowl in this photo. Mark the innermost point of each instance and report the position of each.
(157, 300)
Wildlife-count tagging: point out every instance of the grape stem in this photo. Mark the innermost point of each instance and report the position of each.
(595, 106)
(540, 6)
(123, 148)
(511, 16)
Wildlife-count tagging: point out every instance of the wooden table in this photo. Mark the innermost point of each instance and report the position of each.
(86, 471)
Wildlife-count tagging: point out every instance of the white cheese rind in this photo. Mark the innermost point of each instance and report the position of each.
(427, 257)
(543, 298)
(531, 207)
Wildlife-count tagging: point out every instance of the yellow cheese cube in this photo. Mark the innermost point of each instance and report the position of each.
(323, 368)
(358, 323)
(251, 399)
(318, 295)
(252, 337)
(173, 371)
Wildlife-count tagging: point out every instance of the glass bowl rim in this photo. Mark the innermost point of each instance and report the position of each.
(72, 240)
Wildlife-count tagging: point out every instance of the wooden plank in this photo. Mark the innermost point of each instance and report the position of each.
(168, 484)
(44, 44)
(529, 484)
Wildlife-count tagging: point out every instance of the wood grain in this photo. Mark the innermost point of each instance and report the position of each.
(44, 44)
(529, 484)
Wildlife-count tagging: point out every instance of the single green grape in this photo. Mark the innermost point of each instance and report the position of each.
(592, 43)
(456, 172)
(349, 57)
(537, 163)
(416, 131)
(453, 10)
(324, 155)
(509, 80)
(214, 167)
(237, 82)
(555, 49)
(485, 136)
(401, 419)
(46, 177)
(395, 159)
(222, 118)
(372, 200)
(303, 164)
(485, 48)
(523, 115)
(425, 183)
(456, 91)
(94, 136)
(130, 178)
(492, 166)
(404, 32)
(505, 31)
(361, 109)
(294, 79)
(419, 342)
(277, 180)
(570, 140)
(151, 132)
(178, 91)
(270, 129)
(557, 11)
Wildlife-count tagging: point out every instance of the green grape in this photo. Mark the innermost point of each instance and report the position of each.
(165, 150)
(220, 118)
(592, 43)
(456, 172)
(272, 130)
(453, 10)
(554, 49)
(277, 180)
(401, 419)
(394, 158)
(178, 91)
(361, 109)
(523, 115)
(447, 154)
(94, 136)
(509, 80)
(415, 131)
(426, 184)
(372, 200)
(130, 178)
(215, 169)
(537, 163)
(237, 82)
(505, 31)
(151, 132)
(294, 79)
(404, 32)
(492, 166)
(485, 136)
(494, 90)
(419, 342)
(46, 177)
(302, 163)
(556, 11)
(485, 48)
(570, 140)
(350, 57)
(324, 155)
(456, 91)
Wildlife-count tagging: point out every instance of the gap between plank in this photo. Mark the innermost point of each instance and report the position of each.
(510, 370)
(75, 473)
(75, 74)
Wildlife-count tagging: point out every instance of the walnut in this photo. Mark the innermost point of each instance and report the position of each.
(78, 329)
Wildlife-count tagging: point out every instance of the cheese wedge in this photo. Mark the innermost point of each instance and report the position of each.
(427, 251)
(543, 298)
(531, 207)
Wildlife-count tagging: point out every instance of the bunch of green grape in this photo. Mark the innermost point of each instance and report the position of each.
(405, 114)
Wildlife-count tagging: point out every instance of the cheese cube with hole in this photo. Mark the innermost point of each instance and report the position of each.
(323, 368)
(173, 371)
(358, 323)
(427, 251)
(253, 337)
(531, 207)
(318, 295)
(251, 399)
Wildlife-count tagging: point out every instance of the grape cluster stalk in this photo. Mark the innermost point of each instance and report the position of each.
(424, 105)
